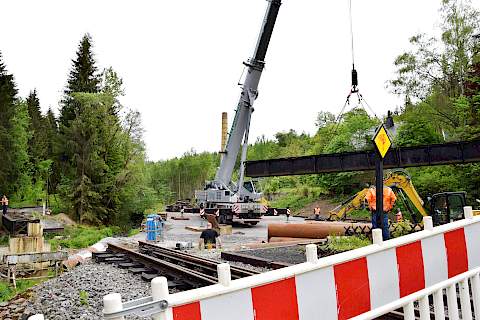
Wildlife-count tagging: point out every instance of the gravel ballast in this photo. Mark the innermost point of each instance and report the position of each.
(59, 298)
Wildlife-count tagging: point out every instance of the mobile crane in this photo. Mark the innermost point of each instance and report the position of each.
(239, 201)
(443, 207)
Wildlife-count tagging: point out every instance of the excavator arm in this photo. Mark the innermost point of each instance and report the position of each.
(353, 203)
(397, 180)
(400, 180)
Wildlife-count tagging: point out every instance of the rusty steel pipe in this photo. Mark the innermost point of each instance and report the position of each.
(317, 230)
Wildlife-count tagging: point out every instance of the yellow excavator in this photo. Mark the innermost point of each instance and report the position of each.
(443, 207)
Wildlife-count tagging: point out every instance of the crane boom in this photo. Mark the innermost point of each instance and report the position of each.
(240, 127)
(240, 202)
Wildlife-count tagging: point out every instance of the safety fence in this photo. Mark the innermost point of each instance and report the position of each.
(363, 284)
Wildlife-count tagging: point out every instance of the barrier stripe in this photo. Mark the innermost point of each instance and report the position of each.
(456, 252)
(410, 268)
(313, 288)
(217, 307)
(277, 300)
(353, 289)
(434, 260)
(189, 311)
(472, 238)
(383, 278)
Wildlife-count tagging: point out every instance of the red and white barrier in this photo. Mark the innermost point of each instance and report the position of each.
(342, 286)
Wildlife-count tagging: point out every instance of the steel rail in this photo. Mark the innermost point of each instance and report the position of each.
(192, 260)
(192, 277)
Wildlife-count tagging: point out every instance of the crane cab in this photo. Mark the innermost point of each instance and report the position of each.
(446, 207)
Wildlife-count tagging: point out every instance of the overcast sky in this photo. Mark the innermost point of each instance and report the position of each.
(181, 60)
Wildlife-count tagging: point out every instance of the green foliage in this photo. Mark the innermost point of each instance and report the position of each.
(4, 239)
(401, 228)
(83, 296)
(416, 128)
(346, 243)
(84, 76)
(296, 199)
(7, 292)
(78, 237)
(360, 214)
(133, 232)
(178, 178)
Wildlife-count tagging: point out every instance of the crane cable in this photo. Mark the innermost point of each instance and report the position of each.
(354, 88)
(351, 33)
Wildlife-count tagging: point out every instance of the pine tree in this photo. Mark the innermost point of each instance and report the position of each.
(37, 142)
(51, 128)
(51, 132)
(8, 102)
(83, 77)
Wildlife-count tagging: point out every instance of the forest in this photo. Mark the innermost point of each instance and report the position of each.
(89, 160)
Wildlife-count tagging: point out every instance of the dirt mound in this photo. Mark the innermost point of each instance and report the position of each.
(324, 204)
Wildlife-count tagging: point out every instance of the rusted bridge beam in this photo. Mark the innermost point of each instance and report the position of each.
(429, 155)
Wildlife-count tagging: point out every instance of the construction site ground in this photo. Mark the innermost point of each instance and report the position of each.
(241, 235)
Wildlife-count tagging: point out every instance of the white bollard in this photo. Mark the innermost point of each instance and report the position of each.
(475, 280)
(452, 302)
(409, 311)
(311, 252)
(37, 317)
(111, 303)
(465, 300)
(424, 308)
(377, 236)
(224, 274)
(439, 306)
(427, 223)
(160, 292)
(468, 212)
(44, 208)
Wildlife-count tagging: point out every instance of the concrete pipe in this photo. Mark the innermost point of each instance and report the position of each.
(317, 230)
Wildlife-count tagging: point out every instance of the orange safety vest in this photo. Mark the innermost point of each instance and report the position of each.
(389, 199)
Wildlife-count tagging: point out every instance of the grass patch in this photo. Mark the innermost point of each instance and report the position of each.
(360, 214)
(8, 292)
(77, 237)
(133, 232)
(341, 244)
(4, 240)
(83, 295)
(298, 198)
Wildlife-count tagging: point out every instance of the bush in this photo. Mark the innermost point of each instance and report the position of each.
(341, 244)
(133, 232)
(297, 199)
(401, 228)
(7, 292)
(78, 237)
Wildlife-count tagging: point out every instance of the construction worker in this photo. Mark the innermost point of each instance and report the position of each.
(5, 204)
(288, 213)
(399, 216)
(316, 211)
(210, 237)
(389, 199)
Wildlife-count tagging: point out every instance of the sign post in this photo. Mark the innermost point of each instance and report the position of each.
(382, 143)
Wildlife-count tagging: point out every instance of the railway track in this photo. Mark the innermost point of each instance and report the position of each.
(182, 270)
(206, 266)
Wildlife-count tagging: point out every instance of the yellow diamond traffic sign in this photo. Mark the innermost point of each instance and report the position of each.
(382, 141)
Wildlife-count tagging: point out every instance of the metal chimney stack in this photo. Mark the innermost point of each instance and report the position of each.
(224, 132)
